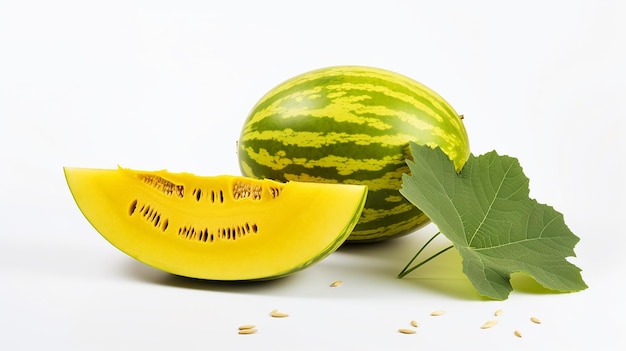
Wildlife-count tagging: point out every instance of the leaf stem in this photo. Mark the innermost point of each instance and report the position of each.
(417, 254)
(406, 270)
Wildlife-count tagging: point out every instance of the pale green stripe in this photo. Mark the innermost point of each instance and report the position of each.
(371, 234)
(389, 181)
(343, 165)
(349, 109)
(382, 88)
(320, 139)
(394, 198)
(369, 214)
(350, 102)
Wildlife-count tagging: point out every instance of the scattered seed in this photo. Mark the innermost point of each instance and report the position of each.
(437, 313)
(277, 314)
(489, 324)
(414, 323)
(247, 331)
(406, 331)
(336, 283)
(497, 313)
(247, 326)
(535, 320)
(517, 333)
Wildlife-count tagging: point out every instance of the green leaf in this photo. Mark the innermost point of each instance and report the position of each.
(487, 214)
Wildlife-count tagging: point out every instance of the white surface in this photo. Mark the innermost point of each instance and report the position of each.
(157, 84)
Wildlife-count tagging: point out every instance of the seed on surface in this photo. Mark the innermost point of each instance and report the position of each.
(247, 326)
(489, 324)
(247, 331)
(437, 313)
(406, 331)
(414, 323)
(497, 313)
(517, 333)
(336, 283)
(277, 314)
(535, 320)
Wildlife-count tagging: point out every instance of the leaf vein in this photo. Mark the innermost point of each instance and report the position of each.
(490, 207)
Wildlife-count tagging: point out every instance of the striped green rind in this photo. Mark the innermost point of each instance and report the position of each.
(351, 124)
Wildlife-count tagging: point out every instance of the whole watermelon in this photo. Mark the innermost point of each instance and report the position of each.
(351, 124)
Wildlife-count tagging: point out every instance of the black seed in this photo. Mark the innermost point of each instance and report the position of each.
(133, 207)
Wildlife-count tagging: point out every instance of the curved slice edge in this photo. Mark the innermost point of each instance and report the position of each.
(297, 242)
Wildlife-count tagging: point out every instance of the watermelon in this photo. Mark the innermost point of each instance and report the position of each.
(351, 125)
(224, 227)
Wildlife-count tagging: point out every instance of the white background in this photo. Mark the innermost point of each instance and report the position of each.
(157, 84)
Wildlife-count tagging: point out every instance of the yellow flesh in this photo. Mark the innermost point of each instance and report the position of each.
(297, 224)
